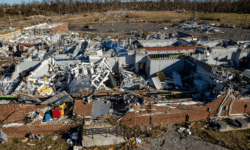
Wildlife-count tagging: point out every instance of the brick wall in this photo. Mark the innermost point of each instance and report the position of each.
(179, 114)
(61, 29)
(14, 113)
(36, 129)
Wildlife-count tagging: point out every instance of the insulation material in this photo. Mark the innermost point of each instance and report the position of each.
(55, 98)
(3, 137)
(131, 81)
(26, 98)
(157, 83)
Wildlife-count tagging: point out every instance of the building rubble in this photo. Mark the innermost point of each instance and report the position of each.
(60, 80)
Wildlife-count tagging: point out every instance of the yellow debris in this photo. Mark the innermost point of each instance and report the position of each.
(63, 106)
(161, 76)
(54, 89)
(9, 32)
(131, 139)
(176, 92)
(45, 89)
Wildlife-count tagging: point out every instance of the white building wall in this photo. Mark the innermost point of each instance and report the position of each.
(165, 65)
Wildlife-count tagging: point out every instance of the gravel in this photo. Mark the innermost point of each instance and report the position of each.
(172, 141)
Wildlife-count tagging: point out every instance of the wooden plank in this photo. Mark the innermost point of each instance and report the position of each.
(55, 98)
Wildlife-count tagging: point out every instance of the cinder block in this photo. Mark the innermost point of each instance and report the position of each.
(222, 125)
(243, 123)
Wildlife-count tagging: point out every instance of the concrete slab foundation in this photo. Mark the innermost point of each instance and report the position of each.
(101, 140)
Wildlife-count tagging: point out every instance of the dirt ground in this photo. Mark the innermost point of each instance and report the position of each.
(171, 140)
(121, 17)
(15, 143)
(202, 137)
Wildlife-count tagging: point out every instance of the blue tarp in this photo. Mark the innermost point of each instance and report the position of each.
(121, 52)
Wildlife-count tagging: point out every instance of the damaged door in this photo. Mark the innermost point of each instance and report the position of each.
(142, 68)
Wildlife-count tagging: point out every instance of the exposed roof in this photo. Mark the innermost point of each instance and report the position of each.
(170, 48)
(14, 112)
(157, 43)
(83, 109)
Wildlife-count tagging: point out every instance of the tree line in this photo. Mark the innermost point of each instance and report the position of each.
(47, 7)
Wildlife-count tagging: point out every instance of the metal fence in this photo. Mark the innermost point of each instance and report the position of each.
(105, 131)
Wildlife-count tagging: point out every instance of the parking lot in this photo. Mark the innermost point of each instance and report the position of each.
(228, 33)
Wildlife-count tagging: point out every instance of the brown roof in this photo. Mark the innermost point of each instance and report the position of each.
(83, 109)
(13, 112)
(169, 48)
(148, 99)
(36, 129)
(137, 108)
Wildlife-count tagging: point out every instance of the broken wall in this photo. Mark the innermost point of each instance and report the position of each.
(239, 55)
(223, 53)
(140, 57)
(123, 61)
(26, 65)
(164, 65)
(205, 72)
(10, 35)
(61, 28)
(178, 113)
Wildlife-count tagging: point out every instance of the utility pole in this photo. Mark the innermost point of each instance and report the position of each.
(9, 21)
(243, 25)
(195, 7)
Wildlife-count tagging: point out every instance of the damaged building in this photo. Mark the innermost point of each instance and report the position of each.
(52, 81)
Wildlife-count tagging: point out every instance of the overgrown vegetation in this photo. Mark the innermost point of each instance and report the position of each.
(14, 143)
(145, 33)
(46, 7)
(232, 139)
(145, 131)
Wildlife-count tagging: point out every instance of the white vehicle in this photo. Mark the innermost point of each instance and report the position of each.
(216, 30)
(211, 24)
(164, 28)
(217, 24)
(232, 26)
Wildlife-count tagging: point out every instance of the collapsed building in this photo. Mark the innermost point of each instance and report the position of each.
(55, 78)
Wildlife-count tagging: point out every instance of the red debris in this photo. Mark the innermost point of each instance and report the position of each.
(56, 113)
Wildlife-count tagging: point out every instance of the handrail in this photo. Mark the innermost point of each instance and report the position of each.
(107, 130)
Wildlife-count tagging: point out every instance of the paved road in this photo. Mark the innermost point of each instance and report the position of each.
(229, 33)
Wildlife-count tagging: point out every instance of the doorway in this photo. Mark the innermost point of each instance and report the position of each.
(142, 68)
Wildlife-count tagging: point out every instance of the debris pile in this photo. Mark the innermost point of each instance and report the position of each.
(51, 81)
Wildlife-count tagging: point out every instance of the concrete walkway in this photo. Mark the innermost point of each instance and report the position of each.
(101, 140)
